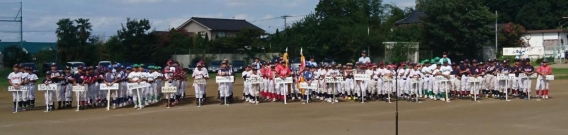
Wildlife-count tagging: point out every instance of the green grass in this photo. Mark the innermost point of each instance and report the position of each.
(560, 71)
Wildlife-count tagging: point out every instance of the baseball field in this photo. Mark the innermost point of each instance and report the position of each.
(463, 117)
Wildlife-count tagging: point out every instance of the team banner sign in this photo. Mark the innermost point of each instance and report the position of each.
(221, 79)
(106, 87)
(199, 81)
(280, 80)
(47, 87)
(305, 85)
(22, 88)
(169, 89)
(362, 77)
(79, 88)
(254, 80)
(333, 80)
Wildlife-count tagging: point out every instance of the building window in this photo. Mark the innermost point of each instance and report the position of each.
(202, 33)
(221, 34)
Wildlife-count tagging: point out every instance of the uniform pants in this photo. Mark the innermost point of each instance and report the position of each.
(322, 86)
(137, 95)
(542, 84)
(50, 97)
(246, 88)
(199, 90)
(415, 87)
(380, 86)
(170, 95)
(254, 89)
(526, 85)
(456, 84)
(515, 83)
(348, 86)
(60, 92)
(436, 86)
(360, 88)
(332, 88)
(17, 95)
(282, 89)
(465, 83)
(503, 85)
(31, 91)
(224, 89)
(372, 87)
(428, 82)
(490, 82)
(387, 87)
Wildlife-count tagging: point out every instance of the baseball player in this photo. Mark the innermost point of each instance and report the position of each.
(32, 79)
(200, 73)
(475, 73)
(503, 85)
(360, 85)
(542, 84)
(455, 81)
(50, 96)
(308, 77)
(490, 78)
(517, 84)
(136, 77)
(283, 73)
(224, 87)
(246, 86)
(401, 79)
(67, 77)
(436, 84)
(15, 80)
(320, 74)
(25, 82)
(372, 83)
(123, 92)
(348, 83)
(528, 70)
(465, 72)
(379, 73)
(331, 87)
(79, 79)
(110, 78)
(254, 88)
(445, 70)
(428, 79)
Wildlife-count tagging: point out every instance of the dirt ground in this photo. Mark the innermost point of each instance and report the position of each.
(464, 117)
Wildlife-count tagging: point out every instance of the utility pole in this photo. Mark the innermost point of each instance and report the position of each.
(285, 17)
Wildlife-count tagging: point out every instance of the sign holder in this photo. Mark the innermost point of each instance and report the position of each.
(21, 89)
(47, 88)
(114, 86)
(78, 91)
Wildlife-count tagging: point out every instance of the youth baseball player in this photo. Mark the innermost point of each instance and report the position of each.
(15, 80)
(224, 87)
(308, 77)
(455, 81)
(255, 88)
(542, 84)
(136, 77)
(200, 73)
(109, 80)
(528, 70)
(32, 80)
(331, 87)
(490, 78)
(428, 79)
(25, 82)
(246, 86)
(446, 70)
(465, 72)
(50, 96)
(282, 72)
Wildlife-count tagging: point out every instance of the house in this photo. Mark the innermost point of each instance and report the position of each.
(414, 17)
(215, 27)
(541, 43)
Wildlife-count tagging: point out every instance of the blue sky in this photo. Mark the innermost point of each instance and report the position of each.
(106, 16)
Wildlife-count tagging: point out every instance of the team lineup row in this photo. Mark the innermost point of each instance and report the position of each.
(431, 80)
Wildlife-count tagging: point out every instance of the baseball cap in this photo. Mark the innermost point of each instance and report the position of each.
(545, 61)
(135, 66)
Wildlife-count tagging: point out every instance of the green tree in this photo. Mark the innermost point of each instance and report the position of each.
(510, 35)
(137, 42)
(534, 15)
(66, 40)
(461, 26)
(14, 55)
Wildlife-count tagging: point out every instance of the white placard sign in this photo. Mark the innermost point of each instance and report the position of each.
(441, 79)
(199, 81)
(387, 79)
(169, 89)
(453, 77)
(415, 80)
(304, 85)
(279, 80)
(254, 80)
(473, 80)
(362, 77)
(333, 80)
(220, 79)
(22, 88)
(533, 76)
(47, 87)
(112, 87)
(502, 77)
(549, 77)
(512, 77)
(136, 85)
(79, 88)
(513, 51)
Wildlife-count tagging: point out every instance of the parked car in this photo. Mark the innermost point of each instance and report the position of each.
(30, 64)
(103, 64)
(214, 66)
(192, 65)
(294, 64)
(328, 61)
(239, 65)
(47, 66)
(74, 65)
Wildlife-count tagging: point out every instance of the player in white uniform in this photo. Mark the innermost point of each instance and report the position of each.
(372, 82)
(32, 80)
(377, 76)
(401, 79)
(414, 90)
(436, 85)
(246, 86)
(321, 75)
(254, 89)
(136, 77)
(199, 73)
(25, 82)
(445, 69)
(15, 79)
(332, 88)
(151, 91)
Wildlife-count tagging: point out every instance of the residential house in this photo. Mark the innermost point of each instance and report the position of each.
(543, 43)
(215, 27)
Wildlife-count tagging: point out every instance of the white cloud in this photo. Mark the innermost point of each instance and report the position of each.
(244, 16)
(143, 1)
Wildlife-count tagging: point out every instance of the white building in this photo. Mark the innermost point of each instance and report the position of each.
(541, 43)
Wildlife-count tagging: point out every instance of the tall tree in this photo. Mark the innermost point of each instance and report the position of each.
(534, 15)
(14, 55)
(462, 26)
(66, 40)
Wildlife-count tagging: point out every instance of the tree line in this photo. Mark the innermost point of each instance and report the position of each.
(338, 29)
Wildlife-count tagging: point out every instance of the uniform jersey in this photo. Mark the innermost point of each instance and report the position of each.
(463, 68)
(415, 73)
(246, 74)
(15, 77)
(377, 73)
(528, 68)
(490, 69)
(110, 77)
(505, 70)
(427, 70)
(446, 70)
(200, 74)
(25, 77)
(308, 76)
(32, 77)
(135, 76)
(544, 70)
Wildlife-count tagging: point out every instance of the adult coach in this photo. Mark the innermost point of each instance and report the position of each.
(364, 59)
(445, 57)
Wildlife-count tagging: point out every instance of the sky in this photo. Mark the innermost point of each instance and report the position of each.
(106, 16)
